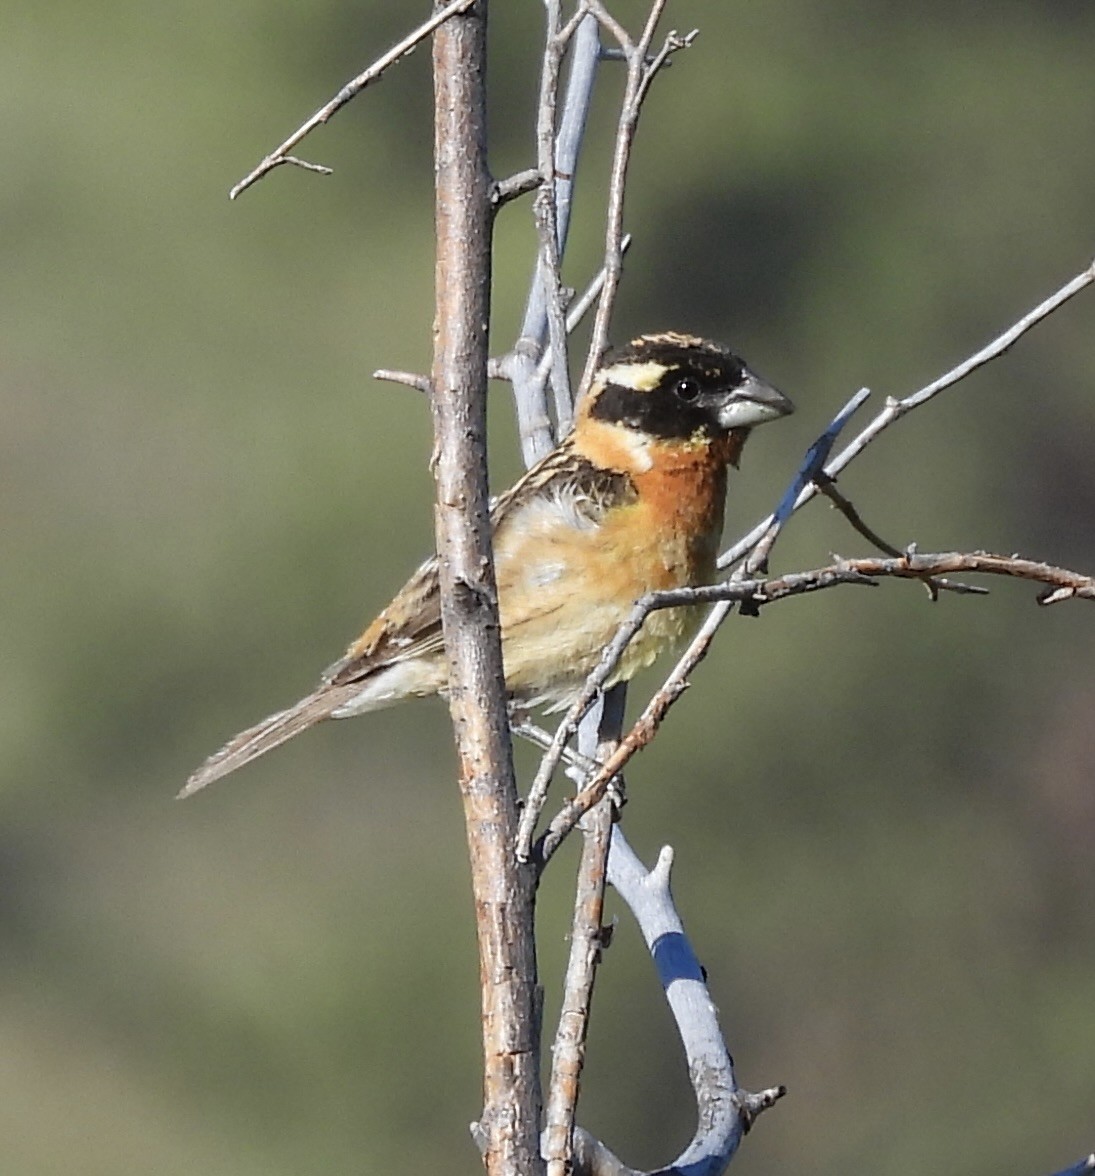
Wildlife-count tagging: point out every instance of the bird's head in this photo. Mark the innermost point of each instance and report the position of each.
(675, 387)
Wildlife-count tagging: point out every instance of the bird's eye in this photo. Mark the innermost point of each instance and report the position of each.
(686, 389)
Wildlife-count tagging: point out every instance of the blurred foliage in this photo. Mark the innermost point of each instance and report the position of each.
(883, 810)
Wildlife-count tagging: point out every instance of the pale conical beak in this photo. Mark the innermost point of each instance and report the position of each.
(753, 402)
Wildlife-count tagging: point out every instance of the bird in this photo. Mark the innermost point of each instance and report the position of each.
(630, 502)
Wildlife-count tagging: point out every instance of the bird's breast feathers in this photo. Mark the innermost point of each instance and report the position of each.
(564, 589)
(576, 543)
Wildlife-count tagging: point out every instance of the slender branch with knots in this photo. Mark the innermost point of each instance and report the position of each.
(280, 155)
(1061, 584)
(754, 548)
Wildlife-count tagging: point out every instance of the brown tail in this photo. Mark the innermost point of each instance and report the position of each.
(272, 732)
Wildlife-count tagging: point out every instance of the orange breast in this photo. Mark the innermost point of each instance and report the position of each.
(677, 519)
(563, 592)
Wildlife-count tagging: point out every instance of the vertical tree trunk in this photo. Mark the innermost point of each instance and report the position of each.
(503, 889)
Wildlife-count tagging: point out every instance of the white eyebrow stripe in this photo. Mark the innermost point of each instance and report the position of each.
(640, 377)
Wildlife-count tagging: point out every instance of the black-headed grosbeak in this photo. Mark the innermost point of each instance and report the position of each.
(630, 502)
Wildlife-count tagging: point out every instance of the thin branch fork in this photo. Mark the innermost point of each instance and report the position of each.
(1062, 584)
(827, 486)
(724, 1112)
(529, 363)
(641, 70)
(758, 542)
(895, 409)
(280, 155)
(503, 368)
(548, 321)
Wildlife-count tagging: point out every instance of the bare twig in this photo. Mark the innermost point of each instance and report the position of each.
(1062, 584)
(724, 1112)
(586, 941)
(413, 380)
(558, 157)
(525, 729)
(552, 208)
(1081, 1169)
(828, 487)
(501, 368)
(320, 169)
(578, 309)
(641, 69)
(280, 155)
(515, 186)
(895, 409)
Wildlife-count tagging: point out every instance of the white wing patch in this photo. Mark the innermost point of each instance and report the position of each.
(565, 506)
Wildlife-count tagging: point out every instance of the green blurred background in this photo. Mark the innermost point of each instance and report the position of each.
(883, 809)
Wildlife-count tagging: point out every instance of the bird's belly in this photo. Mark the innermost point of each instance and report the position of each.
(551, 661)
(555, 630)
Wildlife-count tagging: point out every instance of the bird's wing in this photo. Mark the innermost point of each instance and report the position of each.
(410, 627)
(577, 492)
(562, 490)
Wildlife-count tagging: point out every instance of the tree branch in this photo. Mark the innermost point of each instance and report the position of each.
(764, 534)
(640, 73)
(528, 365)
(551, 206)
(855, 520)
(515, 186)
(895, 409)
(1062, 584)
(724, 1112)
(280, 155)
(1081, 1169)
(586, 942)
(409, 379)
(503, 888)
